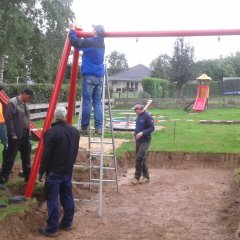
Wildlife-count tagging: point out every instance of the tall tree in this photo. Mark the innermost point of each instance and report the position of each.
(216, 68)
(234, 60)
(15, 31)
(32, 35)
(117, 62)
(161, 67)
(182, 64)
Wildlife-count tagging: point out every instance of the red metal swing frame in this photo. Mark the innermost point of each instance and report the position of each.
(72, 91)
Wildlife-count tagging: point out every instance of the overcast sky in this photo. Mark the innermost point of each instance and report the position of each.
(157, 15)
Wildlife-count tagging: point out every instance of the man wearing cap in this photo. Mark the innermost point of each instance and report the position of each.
(61, 143)
(142, 137)
(17, 117)
(92, 70)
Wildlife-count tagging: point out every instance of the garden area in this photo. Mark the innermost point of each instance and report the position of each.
(193, 192)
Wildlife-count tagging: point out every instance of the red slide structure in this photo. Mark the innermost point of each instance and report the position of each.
(201, 99)
(202, 93)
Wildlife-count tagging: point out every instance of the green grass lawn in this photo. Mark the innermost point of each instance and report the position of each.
(181, 135)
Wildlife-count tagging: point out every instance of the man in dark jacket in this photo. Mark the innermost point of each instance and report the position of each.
(92, 69)
(17, 118)
(61, 143)
(142, 137)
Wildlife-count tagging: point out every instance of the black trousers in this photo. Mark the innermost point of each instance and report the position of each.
(141, 160)
(22, 145)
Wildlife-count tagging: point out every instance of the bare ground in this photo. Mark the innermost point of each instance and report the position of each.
(185, 204)
(193, 204)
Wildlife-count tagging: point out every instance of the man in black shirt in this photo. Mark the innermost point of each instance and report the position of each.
(61, 143)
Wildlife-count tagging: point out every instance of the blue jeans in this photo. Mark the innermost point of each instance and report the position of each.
(54, 186)
(92, 95)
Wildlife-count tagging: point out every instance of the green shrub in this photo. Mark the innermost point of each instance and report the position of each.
(42, 92)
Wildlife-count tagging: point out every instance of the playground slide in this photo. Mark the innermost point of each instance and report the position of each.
(4, 99)
(201, 99)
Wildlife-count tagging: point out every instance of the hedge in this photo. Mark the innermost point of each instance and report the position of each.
(42, 92)
(161, 88)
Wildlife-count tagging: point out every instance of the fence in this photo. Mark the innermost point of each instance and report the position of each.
(39, 111)
(174, 103)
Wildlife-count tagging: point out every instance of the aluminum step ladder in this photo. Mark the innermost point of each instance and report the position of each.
(101, 164)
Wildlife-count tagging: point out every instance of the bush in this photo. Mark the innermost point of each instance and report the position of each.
(161, 88)
(42, 92)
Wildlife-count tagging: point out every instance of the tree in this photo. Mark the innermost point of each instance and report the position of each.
(117, 61)
(182, 64)
(15, 32)
(234, 61)
(32, 36)
(161, 67)
(215, 68)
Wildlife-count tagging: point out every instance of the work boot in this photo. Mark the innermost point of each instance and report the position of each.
(68, 228)
(144, 180)
(45, 233)
(84, 131)
(134, 181)
(98, 132)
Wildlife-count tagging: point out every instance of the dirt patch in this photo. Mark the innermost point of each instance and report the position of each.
(189, 197)
(96, 146)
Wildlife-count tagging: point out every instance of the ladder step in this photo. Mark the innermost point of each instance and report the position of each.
(105, 168)
(83, 183)
(104, 180)
(86, 200)
(93, 167)
(101, 142)
(95, 182)
(99, 154)
(79, 166)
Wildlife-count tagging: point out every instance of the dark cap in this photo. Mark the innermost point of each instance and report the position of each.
(28, 92)
(99, 29)
(138, 105)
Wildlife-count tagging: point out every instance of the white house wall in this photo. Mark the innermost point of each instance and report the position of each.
(123, 85)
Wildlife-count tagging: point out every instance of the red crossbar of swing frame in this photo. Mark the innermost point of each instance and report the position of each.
(73, 80)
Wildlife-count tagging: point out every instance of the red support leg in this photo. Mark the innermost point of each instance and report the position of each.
(73, 84)
(49, 117)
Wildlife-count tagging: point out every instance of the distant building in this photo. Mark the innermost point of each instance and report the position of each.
(130, 79)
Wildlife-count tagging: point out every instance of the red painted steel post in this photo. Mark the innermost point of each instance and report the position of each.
(171, 33)
(49, 117)
(73, 84)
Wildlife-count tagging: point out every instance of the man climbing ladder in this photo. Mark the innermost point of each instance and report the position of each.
(92, 69)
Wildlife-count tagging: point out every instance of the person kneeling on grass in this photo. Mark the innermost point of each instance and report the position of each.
(142, 138)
